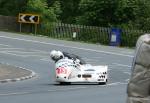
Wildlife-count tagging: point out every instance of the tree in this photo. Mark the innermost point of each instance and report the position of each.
(142, 16)
(69, 10)
(12, 7)
(97, 12)
(41, 7)
(120, 13)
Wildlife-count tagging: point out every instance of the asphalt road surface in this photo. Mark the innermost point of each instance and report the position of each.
(32, 53)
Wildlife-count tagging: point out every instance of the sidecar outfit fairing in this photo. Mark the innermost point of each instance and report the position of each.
(69, 72)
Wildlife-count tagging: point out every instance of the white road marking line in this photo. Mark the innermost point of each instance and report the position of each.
(117, 83)
(34, 41)
(122, 65)
(5, 45)
(35, 55)
(29, 50)
(127, 80)
(12, 54)
(95, 58)
(127, 73)
(17, 52)
(19, 93)
(46, 59)
(126, 52)
(24, 54)
(12, 48)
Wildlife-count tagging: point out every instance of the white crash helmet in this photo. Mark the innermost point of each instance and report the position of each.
(53, 53)
(60, 54)
(56, 55)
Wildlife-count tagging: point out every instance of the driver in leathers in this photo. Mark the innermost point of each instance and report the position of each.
(57, 55)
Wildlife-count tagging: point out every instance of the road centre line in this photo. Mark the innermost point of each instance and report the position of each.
(12, 54)
(99, 51)
(116, 83)
(17, 93)
(47, 60)
(35, 56)
(5, 45)
(129, 73)
(21, 55)
(11, 48)
(23, 52)
(122, 65)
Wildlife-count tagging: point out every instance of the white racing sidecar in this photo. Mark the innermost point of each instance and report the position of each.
(67, 72)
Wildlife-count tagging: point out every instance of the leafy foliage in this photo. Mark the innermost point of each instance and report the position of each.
(48, 14)
(133, 14)
(69, 10)
(115, 13)
(12, 7)
(97, 12)
(41, 7)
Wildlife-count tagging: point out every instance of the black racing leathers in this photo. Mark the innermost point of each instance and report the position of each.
(74, 57)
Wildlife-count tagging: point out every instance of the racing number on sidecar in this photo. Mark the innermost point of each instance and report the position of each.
(61, 70)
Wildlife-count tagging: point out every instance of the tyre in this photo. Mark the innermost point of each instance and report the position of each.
(64, 83)
(102, 83)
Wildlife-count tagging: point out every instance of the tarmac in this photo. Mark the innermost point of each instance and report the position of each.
(9, 73)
